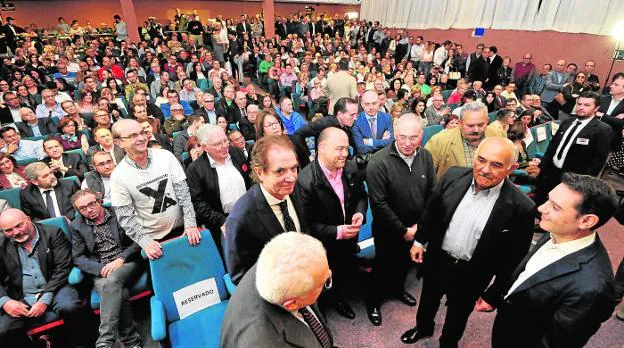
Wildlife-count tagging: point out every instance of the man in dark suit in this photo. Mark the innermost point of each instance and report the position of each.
(104, 140)
(223, 105)
(612, 109)
(207, 110)
(477, 226)
(262, 314)
(494, 63)
(581, 145)
(63, 164)
(346, 111)
(112, 264)
(32, 126)
(43, 253)
(335, 202)
(243, 30)
(238, 110)
(216, 180)
(563, 289)
(372, 130)
(267, 209)
(281, 28)
(46, 196)
(237, 140)
(11, 33)
(247, 125)
(478, 70)
(161, 139)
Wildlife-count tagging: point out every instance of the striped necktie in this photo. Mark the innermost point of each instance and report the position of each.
(317, 328)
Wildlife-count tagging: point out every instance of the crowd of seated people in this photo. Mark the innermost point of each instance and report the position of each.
(214, 124)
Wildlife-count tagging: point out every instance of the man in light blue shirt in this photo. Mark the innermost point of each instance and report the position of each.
(291, 119)
(18, 148)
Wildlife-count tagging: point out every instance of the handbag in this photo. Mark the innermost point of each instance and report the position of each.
(454, 75)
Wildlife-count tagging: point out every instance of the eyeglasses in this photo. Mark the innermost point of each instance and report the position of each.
(209, 101)
(88, 206)
(177, 109)
(134, 136)
(272, 124)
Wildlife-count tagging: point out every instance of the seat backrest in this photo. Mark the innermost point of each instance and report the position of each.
(74, 178)
(60, 222)
(12, 196)
(79, 152)
(446, 94)
(26, 161)
(183, 266)
(175, 134)
(429, 132)
(541, 136)
(492, 116)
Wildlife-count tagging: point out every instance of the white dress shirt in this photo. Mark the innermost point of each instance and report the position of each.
(559, 162)
(549, 253)
(274, 204)
(57, 211)
(231, 183)
(614, 103)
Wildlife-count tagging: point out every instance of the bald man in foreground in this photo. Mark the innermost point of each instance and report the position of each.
(477, 226)
(35, 261)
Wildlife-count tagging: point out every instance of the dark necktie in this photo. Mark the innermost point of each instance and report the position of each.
(567, 140)
(50, 203)
(288, 221)
(243, 114)
(317, 328)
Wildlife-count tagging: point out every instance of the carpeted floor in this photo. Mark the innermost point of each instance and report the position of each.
(397, 317)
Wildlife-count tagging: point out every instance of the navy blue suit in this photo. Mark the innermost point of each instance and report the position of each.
(361, 130)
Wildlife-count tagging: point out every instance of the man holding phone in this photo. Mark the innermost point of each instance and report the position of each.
(335, 201)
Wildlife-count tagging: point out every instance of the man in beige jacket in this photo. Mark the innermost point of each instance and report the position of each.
(339, 85)
(457, 146)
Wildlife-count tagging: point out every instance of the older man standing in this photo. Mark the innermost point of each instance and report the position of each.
(274, 305)
(35, 261)
(456, 147)
(333, 196)
(267, 209)
(399, 173)
(149, 192)
(101, 249)
(221, 164)
(477, 226)
(340, 85)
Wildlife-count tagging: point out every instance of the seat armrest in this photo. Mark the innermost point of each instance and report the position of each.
(75, 276)
(159, 322)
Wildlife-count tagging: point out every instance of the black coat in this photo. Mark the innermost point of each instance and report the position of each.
(493, 78)
(234, 114)
(561, 305)
(33, 203)
(83, 244)
(247, 129)
(251, 225)
(74, 163)
(615, 123)
(54, 254)
(503, 243)
(314, 129)
(46, 126)
(322, 206)
(203, 182)
(251, 321)
(478, 70)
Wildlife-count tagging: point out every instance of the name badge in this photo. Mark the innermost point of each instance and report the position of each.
(582, 141)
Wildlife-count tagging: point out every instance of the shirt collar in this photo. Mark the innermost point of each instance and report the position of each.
(406, 158)
(271, 200)
(107, 216)
(585, 121)
(369, 117)
(134, 164)
(42, 191)
(573, 245)
(492, 190)
(328, 173)
(214, 163)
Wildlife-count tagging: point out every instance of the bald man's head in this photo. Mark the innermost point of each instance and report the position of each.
(333, 148)
(495, 159)
(408, 134)
(370, 103)
(16, 226)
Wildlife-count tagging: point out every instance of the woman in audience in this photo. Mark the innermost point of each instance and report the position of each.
(87, 102)
(199, 76)
(11, 175)
(268, 123)
(517, 133)
(504, 119)
(451, 121)
(396, 111)
(70, 139)
(418, 108)
(33, 86)
(25, 97)
(426, 57)
(572, 91)
(133, 63)
(222, 122)
(267, 103)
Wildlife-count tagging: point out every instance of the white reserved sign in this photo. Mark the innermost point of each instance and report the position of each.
(196, 297)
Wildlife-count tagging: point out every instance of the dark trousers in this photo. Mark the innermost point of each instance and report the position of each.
(619, 281)
(455, 280)
(66, 304)
(390, 267)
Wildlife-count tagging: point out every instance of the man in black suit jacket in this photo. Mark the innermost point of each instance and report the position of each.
(335, 214)
(262, 314)
(477, 226)
(612, 109)
(243, 30)
(46, 189)
(113, 266)
(281, 28)
(218, 165)
(104, 140)
(267, 209)
(11, 33)
(247, 125)
(238, 110)
(45, 253)
(45, 126)
(63, 164)
(494, 63)
(581, 145)
(478, 68)
(563, 289)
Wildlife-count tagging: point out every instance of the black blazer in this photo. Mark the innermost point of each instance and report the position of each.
(251, 225)
(504, 241)
(478, 70)
(214, 92)
(233, 114)
(492, 73)
(33, 203)
(586, 158)
(203, 113)
(74, 163)
(561, 305)
(251, 321)
(54, 254)
(163, 140)
(281, 29)
(247, 129)
(203, 182)
(46, 126)
(314, 129)
(322, 207)
(83, 244)
(615, 123)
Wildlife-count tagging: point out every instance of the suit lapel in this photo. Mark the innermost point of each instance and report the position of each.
(13, 255)
(457, 149)
(458, 190)
(294, 330)
(265, 213)
(501, 212)
(320, 178)
(42, 251)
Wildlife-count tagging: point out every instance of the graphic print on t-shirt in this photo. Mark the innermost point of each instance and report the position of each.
(161, 200)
